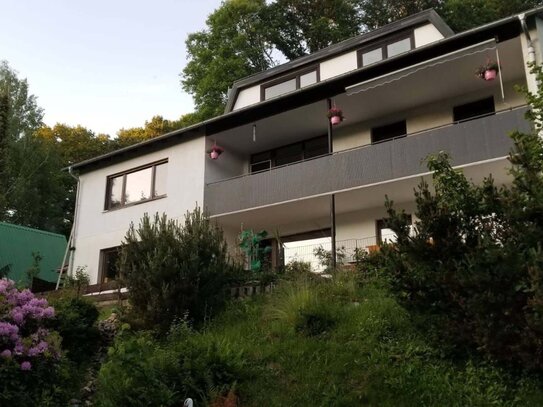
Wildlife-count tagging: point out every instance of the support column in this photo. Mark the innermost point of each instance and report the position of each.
(332, 197)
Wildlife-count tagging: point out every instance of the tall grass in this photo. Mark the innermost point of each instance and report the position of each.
(332, 343)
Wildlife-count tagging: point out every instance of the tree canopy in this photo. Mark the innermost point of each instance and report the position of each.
(243, 37)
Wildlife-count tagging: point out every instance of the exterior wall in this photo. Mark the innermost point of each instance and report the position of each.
(361, 224)
(426, 34)
(97, 229)
(227, 166)
(247, 97)
(423, 117)
(338, 65)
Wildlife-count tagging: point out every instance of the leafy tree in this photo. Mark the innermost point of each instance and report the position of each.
(36, 191)
(23, 113)
(376, 13)
(174, 270)
(74, 143)
(233, 45)
(474, 267)
(465, 14)
(157, 126)
(300, 27)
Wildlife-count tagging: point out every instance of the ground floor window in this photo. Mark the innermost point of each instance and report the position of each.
(108, 264)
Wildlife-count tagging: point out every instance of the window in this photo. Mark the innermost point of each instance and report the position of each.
(371, 57)
(472, 110)
(289, 84)
(138, 185)
(388, 132)
(386, 49)
(385, 234)
(289, 154)
(108, 264)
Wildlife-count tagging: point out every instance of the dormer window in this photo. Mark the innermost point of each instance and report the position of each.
(289, 83)
(386, 49)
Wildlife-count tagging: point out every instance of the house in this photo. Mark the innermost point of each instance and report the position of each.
(406, 90)
(23, 249)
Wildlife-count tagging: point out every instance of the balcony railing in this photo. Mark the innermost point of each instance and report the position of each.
(467, 142)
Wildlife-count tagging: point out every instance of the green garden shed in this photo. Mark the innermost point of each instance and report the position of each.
(19, 244)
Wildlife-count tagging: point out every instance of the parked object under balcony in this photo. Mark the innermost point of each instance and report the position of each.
(488, 71)
(215, 151)
(335, 115)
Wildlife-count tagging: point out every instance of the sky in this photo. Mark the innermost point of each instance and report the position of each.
(105, 65)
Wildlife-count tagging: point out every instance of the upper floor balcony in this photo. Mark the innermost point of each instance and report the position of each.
(480, 139)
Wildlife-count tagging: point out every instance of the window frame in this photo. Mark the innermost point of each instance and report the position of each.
(124, 174)
(373, 142)
(102, 262)
(286, 78)
(272, 154)
(383, 44)
(456, 120)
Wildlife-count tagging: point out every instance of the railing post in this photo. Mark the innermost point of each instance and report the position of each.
(332, 197)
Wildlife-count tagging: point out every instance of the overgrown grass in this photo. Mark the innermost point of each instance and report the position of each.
(328, 343)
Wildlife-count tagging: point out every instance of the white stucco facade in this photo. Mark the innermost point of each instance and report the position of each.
(97, 229)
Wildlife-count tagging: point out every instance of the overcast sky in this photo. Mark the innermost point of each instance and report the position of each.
(104, 64)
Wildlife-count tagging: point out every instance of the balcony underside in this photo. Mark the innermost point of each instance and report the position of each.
(474, 141)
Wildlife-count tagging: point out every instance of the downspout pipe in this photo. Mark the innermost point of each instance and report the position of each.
(531, 49)
(70, 247)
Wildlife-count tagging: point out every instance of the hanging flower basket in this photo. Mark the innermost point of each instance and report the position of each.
(488, 71)
(215, 151)
(335, 115)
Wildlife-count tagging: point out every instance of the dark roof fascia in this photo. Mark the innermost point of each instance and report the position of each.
(339, 48)
(503, 30)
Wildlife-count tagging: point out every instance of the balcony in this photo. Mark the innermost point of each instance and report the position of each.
(476, 140)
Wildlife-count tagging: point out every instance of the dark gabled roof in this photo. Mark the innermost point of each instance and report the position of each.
(427, 16)
(502, 30)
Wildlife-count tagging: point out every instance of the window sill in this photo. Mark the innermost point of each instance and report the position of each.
(135, 204)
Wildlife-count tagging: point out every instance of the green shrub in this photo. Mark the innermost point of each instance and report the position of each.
(315, 320)
(171, 270)
(75, 321)
(141, 371)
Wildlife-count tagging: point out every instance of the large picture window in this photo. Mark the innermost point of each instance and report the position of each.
(137, 185)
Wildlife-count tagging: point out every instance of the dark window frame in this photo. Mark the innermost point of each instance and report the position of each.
(124, 174)
(404, 121)
(383, 46)
(272, 154)
(286, 78)
(490, 100)
(102, 262)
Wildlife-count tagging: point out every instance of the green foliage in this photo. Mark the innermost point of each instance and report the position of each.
(231, 47)
(142, 372)
(79, 281)
(300, 27)
(377, 13)
(172, 269)
(48, 384)
(252, 244)
(474, 267)
(462, 15)
(75, 321)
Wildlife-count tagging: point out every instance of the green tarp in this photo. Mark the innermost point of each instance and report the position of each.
(17, 243)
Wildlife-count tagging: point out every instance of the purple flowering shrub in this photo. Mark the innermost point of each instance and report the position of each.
(23, 336)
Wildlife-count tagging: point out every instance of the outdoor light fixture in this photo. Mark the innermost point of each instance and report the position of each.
(215, 151)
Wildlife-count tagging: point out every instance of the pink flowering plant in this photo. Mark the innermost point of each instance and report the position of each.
(24, 338)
